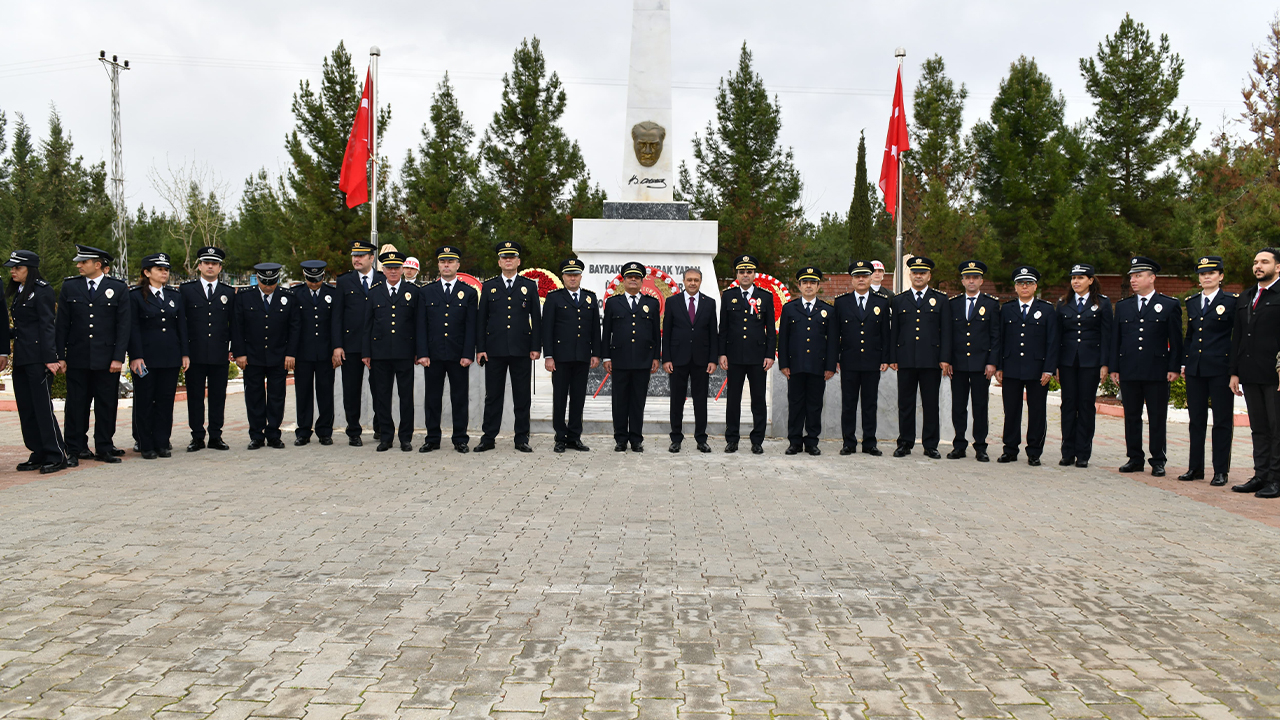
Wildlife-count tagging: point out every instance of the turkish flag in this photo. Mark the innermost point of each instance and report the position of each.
(354, 178)
(894, 146)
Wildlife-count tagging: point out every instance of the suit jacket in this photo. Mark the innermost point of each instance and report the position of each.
(1255, 339)
(571, 333)
(348, 310)
(808, 343)
(391, 323)
(1086, 336)
(108, 311)
(265, 337)
(159, 333)
(632, 340)
(748, 334)
(33, 326)
(1147, 346)
(448, 323)
(1029, 347)
(315, 339)
(975, 340)
(509, 322)
(864, 337)
(208, 322)
(1207, 349)
(690, 343)
(921, 335)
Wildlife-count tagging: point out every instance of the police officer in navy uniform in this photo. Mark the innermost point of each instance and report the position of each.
(391, 348)
(448, 321)
(264, 340)
(508, 340)
(748, 344)
(94, 319)
(690, 350)
(631, 341)
(1206, 365)
(571, 347)
(35, 361)
(313, 371)
(1026, 363)
(921, 354)
(975, 347)
(1085, 319)
(808, 349)
(863, 315)
(352, 294)
(1146, 349)
(209, 304)
(157, 351)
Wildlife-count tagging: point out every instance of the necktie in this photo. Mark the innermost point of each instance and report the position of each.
(1204, 307)
(1255, 298)
(1142, 305)
(159, 297)
(575, 299)
(693, 310)
(208, 291)
(633, 302)
(508, 284)
(1079, 304)
(862, 305)
(808, 308)
(92, 285)
(392, 292)
(1024, 312)
(919, 298)
(266, 302)
(365, 281)
(448, 289)
(315, 297)
(970, 315)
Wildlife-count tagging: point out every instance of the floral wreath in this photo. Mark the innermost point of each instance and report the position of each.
(547, 280)
(661, 280)
(781, 295)
(471, 280)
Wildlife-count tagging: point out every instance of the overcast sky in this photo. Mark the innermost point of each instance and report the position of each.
(212, 81)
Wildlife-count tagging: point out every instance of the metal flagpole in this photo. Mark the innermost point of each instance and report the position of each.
(900, 53)
(374, 54)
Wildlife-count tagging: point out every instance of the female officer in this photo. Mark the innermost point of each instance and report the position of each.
(1084, 317)
(35, 361)
(157, 348)
(1206, 366)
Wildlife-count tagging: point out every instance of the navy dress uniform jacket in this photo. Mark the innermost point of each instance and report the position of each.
(159, 333)
(632, 340)
(348, 310)
(864, 339)
(1146, 346)
(808, 343)
(1029, 347)
(747, 336)
(1086, 336)
(265, 337)
(33, 327)
(571, 333)
(315, 340)
(391, 324)
(975, 340)
(208, 321)
(1208, 343)
(690, 343)
(921, 335)
(101, 324)
(448, 323)
(509, 322)
(1255, 340)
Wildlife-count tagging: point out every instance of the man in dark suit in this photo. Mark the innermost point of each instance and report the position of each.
(1146, 349)
(920, 353)
(571, 347)
(1255, 344)
(210, 305)
(631, 342)
(351, 296)
(508, 340)
(264, 341)
(92, 337)
(447, 319)
(748, 344)
(808, 342)
(1026, 363)
(975, 346)
(313, 370)
(863, 316)
(690, 348)
(391, 348)
(1206, 365)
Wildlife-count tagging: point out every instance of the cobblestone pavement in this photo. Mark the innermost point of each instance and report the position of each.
(343, 583)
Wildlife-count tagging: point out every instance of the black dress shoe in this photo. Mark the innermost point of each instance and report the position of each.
(981, 456)
(277, 444)
(485, 446)
(1033, 461)
(107, 457)
(577, 445)
(28, 466)
(53, 467)
(326, 440)
(1082, 463)
(637, 447)
(731, 447)
(1254, 485)
(873, 451)
(85, 455)
(932, 454)
(73, 462)
(757, 449)
(703, 447)
(901, 451)
(814, 451)
(195, 445)
(1133, 466)
(1006, 458)
(137, 447)
(558, 447)
(149, 455)
(429, 445)
(355, 441)
(792, 450)
(674, 447)
(117, 452)
(1272, 490)
(218, 445)
(406, 447)
(524, 447)
(384, 446)
(1219, 479)
(256, 444)
(165, 453)
(1157, 469)
(1190, 475)
(462, 448)
(1067, 461)
(846, 450)
(619, 447)
(955, 454)
(299, 442)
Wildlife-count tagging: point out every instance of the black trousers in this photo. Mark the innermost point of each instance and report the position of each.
(630, 389)
(353, 393)
(1079, 410)
(496, 369)
(568, 396)
(153, 408)
(382, 373)
(855, 385)
(264, 389)
(1263, 402)
(1155, 395)
(689, 381)
(101, 389)
(40, 432)
(756, 375)
(966, 387)
(1200, 391)
(214, 377)
(927, 381)
(804, 408)
(312, 389)
(459, 398)
(1037, 415)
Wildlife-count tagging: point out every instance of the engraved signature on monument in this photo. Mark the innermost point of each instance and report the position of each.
(656, 183)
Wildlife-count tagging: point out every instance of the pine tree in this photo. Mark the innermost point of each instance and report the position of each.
(21, 221)
(72, 201)
(256, 234)
(745, 179)
(1262, 99)
(860, 241)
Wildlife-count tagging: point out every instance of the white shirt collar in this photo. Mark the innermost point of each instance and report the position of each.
(631, 298)
(368, 275)
(876, 288)
(747, 290)
(1209, 298)
(1148, 296)
(1084, 297)
(213, 284)
(862, 296)
(444, 282)
(967, 296)
(392, 288)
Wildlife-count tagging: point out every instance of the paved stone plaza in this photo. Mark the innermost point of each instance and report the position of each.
(297, 583)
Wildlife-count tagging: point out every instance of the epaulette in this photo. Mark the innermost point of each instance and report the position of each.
(843, 294)
(993, 297)
(953, 297)
(376, 284)
(1234, 295)
(134, 288)
(41, 282)
(70, 277)
(188, 282)
(904, 292)
(346, 273)
(1104, 297)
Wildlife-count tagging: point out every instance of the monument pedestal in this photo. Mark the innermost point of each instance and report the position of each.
(642, 232)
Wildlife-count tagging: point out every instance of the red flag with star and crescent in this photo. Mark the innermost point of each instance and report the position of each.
(894, 146)
(354, 178)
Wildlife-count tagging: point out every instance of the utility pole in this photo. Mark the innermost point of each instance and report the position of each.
(113, 68)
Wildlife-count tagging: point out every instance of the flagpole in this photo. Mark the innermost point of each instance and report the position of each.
(374, 54)
(900, 53)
